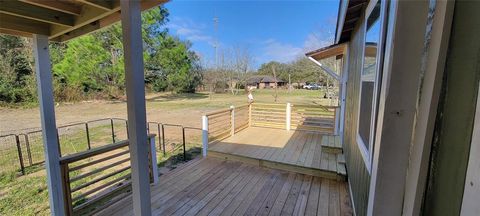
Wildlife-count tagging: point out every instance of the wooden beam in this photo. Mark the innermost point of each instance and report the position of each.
(104, 22)
(18, 24)
(101, 4)
(49, 128)
(15, 33)
(56, 5)
(136, 108)
(90, 14)
(20, 9)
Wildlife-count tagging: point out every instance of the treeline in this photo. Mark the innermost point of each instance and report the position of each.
(92, 66)
(300, 71)
(235, 66)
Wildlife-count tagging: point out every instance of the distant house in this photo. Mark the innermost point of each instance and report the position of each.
(262, 82)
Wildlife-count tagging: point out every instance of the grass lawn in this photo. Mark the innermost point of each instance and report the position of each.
(204, 100)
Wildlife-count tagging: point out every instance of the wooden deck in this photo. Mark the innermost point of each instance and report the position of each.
(218, 187)
(299, 151)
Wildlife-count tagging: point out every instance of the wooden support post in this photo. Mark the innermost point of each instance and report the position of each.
(153, 156)
(137, 123)
(49, 128)
(288, 117)
(232, 120)
(204, 135)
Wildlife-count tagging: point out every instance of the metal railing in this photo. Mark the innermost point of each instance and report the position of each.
(24, 150)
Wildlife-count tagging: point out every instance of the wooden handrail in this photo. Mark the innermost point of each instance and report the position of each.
(67, 180)
(95, 151)
(218, 112)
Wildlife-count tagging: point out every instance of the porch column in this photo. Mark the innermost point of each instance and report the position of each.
(49, 128)
(135, 86)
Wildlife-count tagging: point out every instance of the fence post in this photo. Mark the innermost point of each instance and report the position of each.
(288, 117)
(29, 153)
(126, 127)
(153, 156)
(204, 135)
(20, 157)
(163, 141)
(249, 114)
(88, 136)
(337, 121)
(113, 130)
(59, 144)
(232, 120)
(67, 191)
(159, 137)
(184, 145)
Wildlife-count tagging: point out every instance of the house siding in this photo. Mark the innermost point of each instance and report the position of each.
(454, 124)
(358, 175)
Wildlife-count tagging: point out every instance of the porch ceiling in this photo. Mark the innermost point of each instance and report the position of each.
(348, 15)
(60, 20)
(336, 50)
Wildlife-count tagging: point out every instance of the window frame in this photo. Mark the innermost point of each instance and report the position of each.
(367, 154)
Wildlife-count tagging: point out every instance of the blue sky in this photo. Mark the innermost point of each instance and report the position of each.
(269, 30)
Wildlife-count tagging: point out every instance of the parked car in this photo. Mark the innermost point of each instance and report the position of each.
(311, 86)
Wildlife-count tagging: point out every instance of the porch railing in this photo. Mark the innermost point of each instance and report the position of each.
(224, 123)
(100, 175)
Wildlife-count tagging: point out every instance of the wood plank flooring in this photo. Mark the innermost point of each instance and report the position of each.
(217, 187)
(299, 148)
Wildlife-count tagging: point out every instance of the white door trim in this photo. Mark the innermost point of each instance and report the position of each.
(434, 65)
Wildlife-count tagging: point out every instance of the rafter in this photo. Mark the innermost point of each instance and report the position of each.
(56, 5)
(19, 24)
(102, 4)
(20, 9)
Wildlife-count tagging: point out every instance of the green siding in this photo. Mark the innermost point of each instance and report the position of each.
(454, 124)
(358, 175)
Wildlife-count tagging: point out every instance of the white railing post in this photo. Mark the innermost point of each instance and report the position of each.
(204, 135)
(337, 121)
(153, 152)
(288, 117)
(232, 120)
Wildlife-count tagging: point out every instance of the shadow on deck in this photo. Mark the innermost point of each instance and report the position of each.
(217, 187)
(298, 151)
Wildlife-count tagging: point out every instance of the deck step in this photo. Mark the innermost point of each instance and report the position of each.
(339, 174)
(341, 158)
(331, 144)
(341, 169)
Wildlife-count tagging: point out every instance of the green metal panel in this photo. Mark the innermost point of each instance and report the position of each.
(358, 175)
(454, 124)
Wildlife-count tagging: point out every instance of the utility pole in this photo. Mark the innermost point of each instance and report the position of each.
(215, 45)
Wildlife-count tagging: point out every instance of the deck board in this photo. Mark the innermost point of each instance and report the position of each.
(216, 187)
(299, 148)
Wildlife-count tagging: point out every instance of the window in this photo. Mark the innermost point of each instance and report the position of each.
(369, 82)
